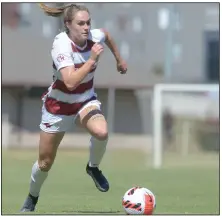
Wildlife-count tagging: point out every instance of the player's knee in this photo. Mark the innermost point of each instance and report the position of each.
(101, 133)
(45, 164)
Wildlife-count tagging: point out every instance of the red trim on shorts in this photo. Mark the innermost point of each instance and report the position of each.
(60, 108)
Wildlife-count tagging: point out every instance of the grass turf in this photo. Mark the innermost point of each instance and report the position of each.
(183, 185)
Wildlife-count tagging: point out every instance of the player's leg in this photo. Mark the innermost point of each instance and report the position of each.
(94, 121)
(48, 146)
(53, 128)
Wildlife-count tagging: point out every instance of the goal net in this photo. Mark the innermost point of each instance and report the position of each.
(185, 119)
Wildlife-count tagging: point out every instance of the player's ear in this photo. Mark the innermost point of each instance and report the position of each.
(68, 24)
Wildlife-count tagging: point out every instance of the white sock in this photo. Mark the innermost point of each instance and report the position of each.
(37, 179)
(97, 150)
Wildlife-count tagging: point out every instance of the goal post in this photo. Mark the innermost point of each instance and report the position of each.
(158, 92)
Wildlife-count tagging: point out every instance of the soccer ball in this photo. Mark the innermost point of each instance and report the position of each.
(139, 200)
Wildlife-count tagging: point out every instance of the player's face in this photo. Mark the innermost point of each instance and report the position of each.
(80, 25)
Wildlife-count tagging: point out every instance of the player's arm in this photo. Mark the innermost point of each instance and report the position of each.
(72, 78)
(109, 41)
(64, 62)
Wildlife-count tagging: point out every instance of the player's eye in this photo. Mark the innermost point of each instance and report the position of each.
(83, 23)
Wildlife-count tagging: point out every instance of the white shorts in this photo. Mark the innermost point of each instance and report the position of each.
(52, 123)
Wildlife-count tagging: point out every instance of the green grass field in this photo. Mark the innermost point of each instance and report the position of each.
(184, 185)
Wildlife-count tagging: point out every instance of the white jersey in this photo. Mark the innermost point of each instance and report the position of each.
(60, 100)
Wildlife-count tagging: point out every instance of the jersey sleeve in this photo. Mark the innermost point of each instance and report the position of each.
(62, 54)
(98, 36)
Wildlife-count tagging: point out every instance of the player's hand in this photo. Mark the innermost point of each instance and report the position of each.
(121, 66)
(96, 51)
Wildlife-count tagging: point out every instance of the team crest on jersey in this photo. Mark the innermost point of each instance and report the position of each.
(62, 57)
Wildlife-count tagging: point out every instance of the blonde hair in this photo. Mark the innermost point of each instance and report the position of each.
(68, 11)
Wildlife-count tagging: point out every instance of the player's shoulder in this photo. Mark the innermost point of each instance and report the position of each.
(97, 35)
(96, 31)
(62, 40)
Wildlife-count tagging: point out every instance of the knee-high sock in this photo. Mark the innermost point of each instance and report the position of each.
(37, 179)
(97, 150)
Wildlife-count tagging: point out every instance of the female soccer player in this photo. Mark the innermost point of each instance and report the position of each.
(71, 98)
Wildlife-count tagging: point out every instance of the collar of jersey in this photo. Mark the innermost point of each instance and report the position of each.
(80, 48)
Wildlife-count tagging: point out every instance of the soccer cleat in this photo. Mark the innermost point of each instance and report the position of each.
(30, 203)
(99, 179)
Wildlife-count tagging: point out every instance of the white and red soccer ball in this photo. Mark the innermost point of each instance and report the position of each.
(139, 200)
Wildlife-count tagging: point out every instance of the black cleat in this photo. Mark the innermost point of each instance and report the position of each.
(99, 179)
(30, 203)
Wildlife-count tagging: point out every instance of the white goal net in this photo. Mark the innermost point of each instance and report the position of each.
(184, 115)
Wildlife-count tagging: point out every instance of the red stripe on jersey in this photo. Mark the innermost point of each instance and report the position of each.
(60, 108)
(88, 47)
(77, 66)
(60, 85)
